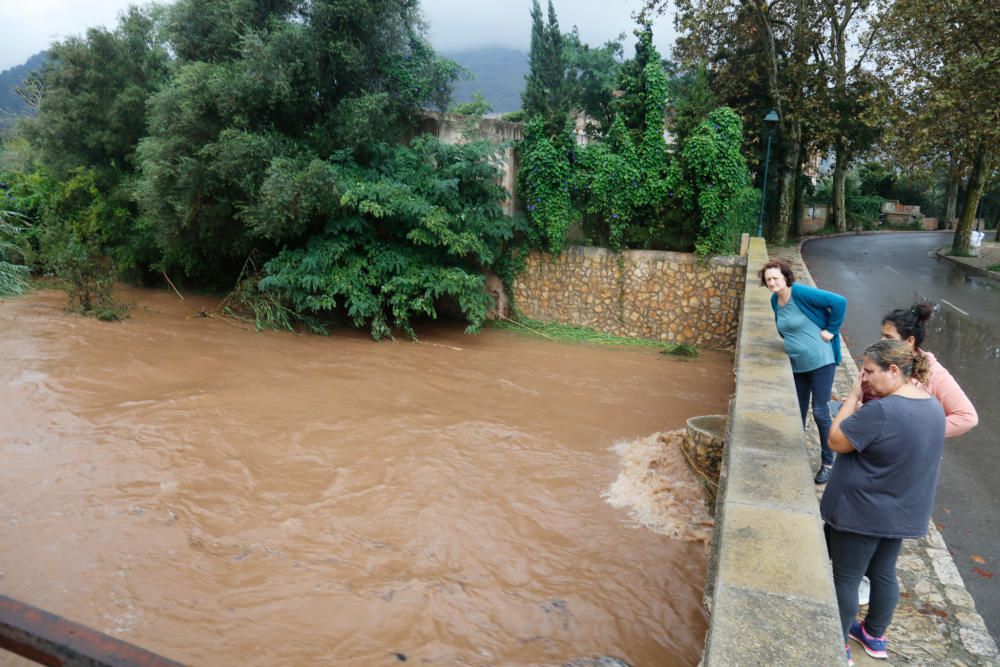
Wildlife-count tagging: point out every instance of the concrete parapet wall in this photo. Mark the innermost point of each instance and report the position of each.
(770, 588)
(668, 296)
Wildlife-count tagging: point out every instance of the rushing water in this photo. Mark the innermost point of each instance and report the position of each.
(225, 497)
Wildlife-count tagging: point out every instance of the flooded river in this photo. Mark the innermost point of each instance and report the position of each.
(226, 497)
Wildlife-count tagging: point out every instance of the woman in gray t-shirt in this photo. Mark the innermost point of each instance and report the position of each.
(882, 486)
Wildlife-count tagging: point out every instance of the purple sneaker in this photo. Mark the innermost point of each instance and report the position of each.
(876, 647)
(850, 660)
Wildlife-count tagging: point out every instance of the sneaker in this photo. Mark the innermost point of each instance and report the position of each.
(864, 591)
(824, 473)
(850, 660)
(873, 646)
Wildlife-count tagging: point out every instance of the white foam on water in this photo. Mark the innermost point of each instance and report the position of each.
(658, 488)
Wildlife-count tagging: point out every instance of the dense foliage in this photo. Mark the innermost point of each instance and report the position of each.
(196, 136)
(413, 226)
(13, 270)
(627, 189)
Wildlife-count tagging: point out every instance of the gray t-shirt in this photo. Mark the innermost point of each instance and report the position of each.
(886, 486)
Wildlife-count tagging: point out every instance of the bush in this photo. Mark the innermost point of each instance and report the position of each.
(415, 227)
(864, 212)
(13, 272)
(73, 244)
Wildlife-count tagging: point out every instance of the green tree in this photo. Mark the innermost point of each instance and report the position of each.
(92, 107)
(592, 76)
(414, 226)
(633, 83)
(856, 117)
(944, 59)
(80, 227)
(690, 100)
(261, 103)
(91, 99)
(546, 92)
(763, 56)
(719, 179)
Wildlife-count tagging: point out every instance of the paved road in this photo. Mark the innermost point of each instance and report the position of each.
(880, 272)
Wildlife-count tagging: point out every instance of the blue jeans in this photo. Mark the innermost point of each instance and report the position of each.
(818, 384)
(855, 556)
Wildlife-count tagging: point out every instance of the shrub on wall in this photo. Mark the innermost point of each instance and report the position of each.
(864, 211)
(544, 183)
(720, 182)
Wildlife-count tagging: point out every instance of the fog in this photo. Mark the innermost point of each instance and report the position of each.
(27, 27)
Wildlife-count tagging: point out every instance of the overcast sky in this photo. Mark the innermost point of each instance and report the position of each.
(29, 26)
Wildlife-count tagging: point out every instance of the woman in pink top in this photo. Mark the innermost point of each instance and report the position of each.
(908, 325)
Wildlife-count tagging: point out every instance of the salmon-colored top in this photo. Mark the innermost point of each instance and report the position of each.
(960, 415)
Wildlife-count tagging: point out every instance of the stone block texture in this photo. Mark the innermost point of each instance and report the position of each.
(669, 296)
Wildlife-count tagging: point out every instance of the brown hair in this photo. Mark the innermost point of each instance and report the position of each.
(781, 266)
(911, 363)
(911, 321)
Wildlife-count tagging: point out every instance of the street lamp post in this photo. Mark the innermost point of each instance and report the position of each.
(770, 121)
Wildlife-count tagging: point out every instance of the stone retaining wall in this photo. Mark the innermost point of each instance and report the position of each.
(668, 296)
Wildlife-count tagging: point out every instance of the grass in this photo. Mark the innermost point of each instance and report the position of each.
(13, 273)
(995, 267)
(567, 333)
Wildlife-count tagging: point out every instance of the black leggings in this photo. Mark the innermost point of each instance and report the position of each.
(855, 556)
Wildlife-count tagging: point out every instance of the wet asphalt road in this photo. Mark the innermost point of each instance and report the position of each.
(880, 272)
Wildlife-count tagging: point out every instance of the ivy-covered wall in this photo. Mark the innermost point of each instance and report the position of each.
(668, 296)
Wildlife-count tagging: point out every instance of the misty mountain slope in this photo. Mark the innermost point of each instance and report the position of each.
(11, 105)
(498, 74)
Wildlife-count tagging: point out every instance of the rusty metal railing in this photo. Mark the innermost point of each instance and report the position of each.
(52, 640)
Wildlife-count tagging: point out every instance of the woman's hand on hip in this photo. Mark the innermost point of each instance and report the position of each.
(825, 335)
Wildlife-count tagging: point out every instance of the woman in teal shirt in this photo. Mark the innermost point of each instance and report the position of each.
(808, 319)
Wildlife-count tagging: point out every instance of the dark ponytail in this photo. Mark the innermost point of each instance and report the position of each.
(911, 321)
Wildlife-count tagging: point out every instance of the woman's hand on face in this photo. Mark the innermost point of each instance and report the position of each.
(857, 390)
(826, 335)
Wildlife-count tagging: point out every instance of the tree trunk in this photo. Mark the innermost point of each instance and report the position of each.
(839, 212)
(790, 141)
(951, 195)
(977, 179)
(798, 208)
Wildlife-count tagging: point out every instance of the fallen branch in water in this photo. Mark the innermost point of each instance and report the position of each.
(172, 285)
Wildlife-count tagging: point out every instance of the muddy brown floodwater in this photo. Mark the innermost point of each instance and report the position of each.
(225, 497)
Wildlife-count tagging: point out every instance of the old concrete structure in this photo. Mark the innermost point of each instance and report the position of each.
(668, 296)
(704, 447)
(452, 128)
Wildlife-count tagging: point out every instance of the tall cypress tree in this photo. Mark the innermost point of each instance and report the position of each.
(546, 92)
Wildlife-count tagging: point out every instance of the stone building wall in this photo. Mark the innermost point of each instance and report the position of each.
(668, 296)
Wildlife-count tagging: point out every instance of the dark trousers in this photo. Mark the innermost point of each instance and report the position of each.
(855, 556)
(817, 384)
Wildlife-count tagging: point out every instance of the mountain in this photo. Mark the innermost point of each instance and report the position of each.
(11, 105)
(497, 74)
